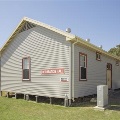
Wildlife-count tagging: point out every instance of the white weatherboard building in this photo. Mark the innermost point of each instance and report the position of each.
(39, 59)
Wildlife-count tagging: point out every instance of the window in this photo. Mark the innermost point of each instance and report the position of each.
(83, 66)
(98, 56)
(26, 68)
(117, 63)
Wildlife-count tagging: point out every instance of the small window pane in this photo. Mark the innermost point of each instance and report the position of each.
(83, 73)
(117, 63)
(82, 60)
(25, 63)
(98, 56)
(26, 74)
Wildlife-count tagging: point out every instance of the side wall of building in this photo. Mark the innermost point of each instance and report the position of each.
(96, 73)
(47, 50)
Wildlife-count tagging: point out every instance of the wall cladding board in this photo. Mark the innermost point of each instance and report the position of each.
(46, 49)
(96, 73)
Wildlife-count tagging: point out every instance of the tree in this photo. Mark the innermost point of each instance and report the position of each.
(115, 50)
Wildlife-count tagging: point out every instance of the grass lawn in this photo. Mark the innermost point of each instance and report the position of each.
(12, 109)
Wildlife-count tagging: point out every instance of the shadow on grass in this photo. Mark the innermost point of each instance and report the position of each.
(114, 100)
(54, 101)
(114, 105)
(84, 104)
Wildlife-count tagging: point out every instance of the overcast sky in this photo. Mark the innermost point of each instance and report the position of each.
(98, 20)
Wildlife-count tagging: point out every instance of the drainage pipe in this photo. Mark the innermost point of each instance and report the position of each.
(71, 84)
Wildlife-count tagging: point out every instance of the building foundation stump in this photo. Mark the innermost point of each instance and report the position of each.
(0, 93)
(50, 100)
(70, 102)
(36, 98)
(27, 97)
(8, 95)
(24, 96)
(66, 101)
(16, 96)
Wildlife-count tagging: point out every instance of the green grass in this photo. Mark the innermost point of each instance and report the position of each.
(12, 109)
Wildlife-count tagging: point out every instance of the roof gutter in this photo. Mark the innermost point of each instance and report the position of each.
(93, 47)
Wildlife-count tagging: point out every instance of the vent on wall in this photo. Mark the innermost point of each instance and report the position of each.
(27, 26)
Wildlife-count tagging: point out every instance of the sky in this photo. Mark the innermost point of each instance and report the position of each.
(98, 20)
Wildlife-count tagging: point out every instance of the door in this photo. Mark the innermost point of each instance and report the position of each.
(109, 75)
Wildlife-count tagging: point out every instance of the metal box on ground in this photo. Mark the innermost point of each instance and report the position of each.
(102, 97)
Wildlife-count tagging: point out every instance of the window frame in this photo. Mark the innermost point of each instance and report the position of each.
(29, 68)
(117, 63)
(98, 54)
(82, 54)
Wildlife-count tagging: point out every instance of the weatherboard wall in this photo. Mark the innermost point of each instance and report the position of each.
(47, 49)
(96, 72)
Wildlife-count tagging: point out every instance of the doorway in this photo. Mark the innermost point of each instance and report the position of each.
(109, 75)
